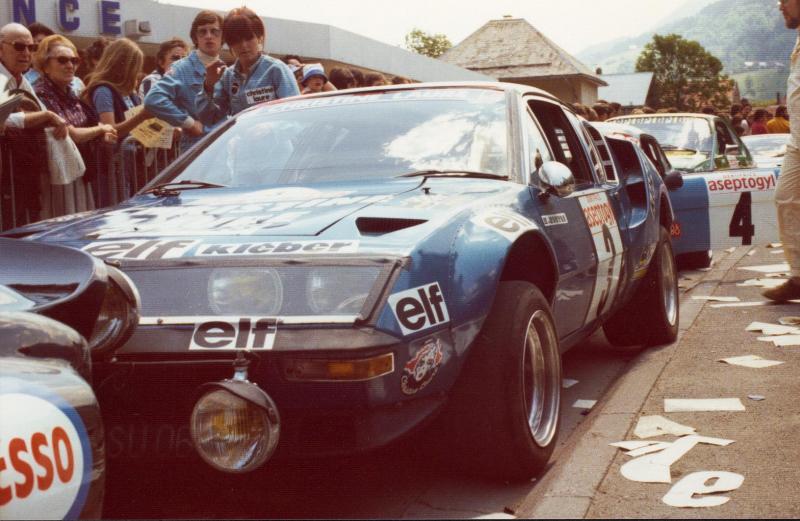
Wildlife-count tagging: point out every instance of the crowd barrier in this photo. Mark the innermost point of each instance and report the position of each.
(122, 170)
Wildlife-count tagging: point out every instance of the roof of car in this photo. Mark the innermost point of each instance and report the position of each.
(666, 115)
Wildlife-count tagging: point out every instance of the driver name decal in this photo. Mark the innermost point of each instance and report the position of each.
(247, 333)
(420, 308)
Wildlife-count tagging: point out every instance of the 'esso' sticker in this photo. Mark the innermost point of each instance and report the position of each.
(45, 457)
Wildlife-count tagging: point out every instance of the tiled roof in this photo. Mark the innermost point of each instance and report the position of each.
(513, 48)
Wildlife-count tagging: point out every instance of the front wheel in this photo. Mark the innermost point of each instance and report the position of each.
(504, 410)
(651, 316)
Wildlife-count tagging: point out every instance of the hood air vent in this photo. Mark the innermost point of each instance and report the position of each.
(384, 225)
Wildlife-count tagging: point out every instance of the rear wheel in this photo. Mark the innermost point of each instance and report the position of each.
(651, 317)
(504, 410)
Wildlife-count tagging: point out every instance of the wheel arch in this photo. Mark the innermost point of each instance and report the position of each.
(531, 259)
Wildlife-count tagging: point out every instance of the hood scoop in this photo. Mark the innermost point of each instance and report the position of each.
(384, 225)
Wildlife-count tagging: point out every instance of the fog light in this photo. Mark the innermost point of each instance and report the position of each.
(333, 369)
(235, 426)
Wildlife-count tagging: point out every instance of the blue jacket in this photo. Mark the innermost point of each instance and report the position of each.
(268, 80)
(174, 97)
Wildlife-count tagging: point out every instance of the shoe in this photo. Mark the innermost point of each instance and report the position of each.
(789, 290)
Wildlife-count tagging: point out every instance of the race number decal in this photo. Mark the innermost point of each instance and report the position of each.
(45, 455)
(608, 248)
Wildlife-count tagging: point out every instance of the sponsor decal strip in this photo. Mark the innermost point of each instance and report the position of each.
(244, 333)
(741, 182)
(608, 249)
(151, 250)
(555, 219)
(420, 308)
(189, 320)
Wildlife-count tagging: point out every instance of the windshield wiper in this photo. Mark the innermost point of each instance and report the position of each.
(455, 173)
(174, 188)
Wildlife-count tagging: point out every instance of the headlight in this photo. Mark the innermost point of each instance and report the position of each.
(118, 315)
(233, 434)
(245, 291)
(339, 290)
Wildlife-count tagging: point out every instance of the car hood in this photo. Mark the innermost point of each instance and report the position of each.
(280, 211)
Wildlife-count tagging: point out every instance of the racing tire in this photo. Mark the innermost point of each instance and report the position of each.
(652, 315)
(695, 260)
(503, 414)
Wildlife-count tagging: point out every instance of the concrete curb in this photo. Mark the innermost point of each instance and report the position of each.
(568, 487)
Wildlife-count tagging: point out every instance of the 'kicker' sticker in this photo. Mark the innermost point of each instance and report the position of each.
(418, 309)
(555, 219)
(278, 248)
(247, 333)
(423, 366)
(45, 454)
(608, 248)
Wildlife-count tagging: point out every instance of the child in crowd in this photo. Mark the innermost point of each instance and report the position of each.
(314, 78)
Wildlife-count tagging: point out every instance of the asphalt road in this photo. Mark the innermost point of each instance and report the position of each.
(407, 479)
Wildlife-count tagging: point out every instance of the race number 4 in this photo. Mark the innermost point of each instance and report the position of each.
(741, 224)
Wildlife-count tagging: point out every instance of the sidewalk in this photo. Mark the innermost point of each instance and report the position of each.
(586, 480)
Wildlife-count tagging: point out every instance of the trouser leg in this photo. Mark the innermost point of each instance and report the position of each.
(787, 200)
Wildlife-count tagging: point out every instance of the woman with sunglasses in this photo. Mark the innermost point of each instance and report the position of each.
(168, 53)
(57, 60)
(253, 78)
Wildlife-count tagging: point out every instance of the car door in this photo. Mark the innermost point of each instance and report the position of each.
(583, 227)
(741, 197)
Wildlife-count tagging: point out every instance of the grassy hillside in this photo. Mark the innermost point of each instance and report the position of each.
(735, 31)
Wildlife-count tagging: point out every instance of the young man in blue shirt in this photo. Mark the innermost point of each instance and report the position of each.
(253, 79)
(174, 98)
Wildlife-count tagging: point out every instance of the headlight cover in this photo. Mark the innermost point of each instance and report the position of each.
(118, 316)
(233, 434)
(339, 290)
(245, 291)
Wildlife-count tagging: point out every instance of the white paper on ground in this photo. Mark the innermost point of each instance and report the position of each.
(767, 268)
(751, 253)
(775, 245)
(496, 515)
(655, 425)
(566, 383)
(713, 298)
(776, 252)
(762, 283)
(654, 468)
(683, 492)
(789, 321)
(786, 340)
(731, 250)
(772, 329)
(702, 404)
(780, 274)
(584, 404)
(740, 304)
(661, 445)
(632, 444)
(754, 361)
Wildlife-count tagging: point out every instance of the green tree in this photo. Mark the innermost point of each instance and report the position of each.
(685, 75)
(433, 45)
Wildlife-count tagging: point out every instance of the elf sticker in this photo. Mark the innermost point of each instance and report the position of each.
(420, 308)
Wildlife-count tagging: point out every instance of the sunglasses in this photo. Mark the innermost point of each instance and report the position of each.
(20, 47)
(63, 60)
(213, 32)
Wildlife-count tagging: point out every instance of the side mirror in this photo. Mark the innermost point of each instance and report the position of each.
(556, 178)
(673, 180)
(731, 150)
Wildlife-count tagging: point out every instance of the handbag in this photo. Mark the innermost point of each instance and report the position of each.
(64, 160)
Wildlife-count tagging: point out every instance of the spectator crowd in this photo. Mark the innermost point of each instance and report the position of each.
(79, 105)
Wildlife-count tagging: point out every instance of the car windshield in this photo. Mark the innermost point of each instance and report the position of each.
(358, 136)
(767, 145)
(687, 141)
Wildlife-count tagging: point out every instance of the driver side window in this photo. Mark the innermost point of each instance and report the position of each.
(538, 151)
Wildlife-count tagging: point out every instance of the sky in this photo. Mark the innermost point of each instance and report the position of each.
(572, 24)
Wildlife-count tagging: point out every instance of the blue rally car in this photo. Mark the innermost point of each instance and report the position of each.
(372, 259)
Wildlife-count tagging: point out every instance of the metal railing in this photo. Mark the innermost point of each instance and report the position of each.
(120, 172)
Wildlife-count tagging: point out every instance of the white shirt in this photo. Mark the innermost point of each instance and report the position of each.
(793, 94)
(17, 119)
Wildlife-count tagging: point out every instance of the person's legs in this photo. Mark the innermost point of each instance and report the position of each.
(787, 200)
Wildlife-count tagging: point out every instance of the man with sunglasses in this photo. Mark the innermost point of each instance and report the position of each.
(16, 50)
(787, 192)
(174, 97)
